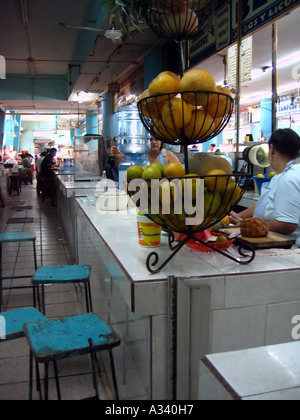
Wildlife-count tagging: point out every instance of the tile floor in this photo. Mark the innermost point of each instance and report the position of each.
(27, 213)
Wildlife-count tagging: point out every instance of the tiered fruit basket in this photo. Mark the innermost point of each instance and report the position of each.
(184, 117)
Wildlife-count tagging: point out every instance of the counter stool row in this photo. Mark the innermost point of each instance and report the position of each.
(53, 340)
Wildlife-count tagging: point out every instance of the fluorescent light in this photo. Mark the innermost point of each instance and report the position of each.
(82, 96)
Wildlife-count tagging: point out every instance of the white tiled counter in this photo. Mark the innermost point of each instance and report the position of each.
(268, 373)
(220, 305)
(67, 188)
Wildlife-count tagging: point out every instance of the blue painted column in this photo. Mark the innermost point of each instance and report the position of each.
(92, 122)
(266, 117)
(17, 131)
(109, 119)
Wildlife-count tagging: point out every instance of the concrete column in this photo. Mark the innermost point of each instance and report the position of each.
(109, 119)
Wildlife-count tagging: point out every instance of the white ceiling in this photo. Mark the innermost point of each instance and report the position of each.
(52, 48)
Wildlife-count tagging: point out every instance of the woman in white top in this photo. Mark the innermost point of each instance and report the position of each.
(279, 203)
(159, 154)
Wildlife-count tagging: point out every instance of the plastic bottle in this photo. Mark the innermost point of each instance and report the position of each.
(104, 183)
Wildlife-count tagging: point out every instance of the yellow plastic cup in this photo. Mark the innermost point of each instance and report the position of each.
(149, 233)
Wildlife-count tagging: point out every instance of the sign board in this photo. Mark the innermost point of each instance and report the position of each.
(113, 88)
(246, 62)
(223, 32)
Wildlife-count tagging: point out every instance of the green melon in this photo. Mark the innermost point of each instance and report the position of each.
(202, 163)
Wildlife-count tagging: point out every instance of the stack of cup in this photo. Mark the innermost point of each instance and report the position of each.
(149, 233)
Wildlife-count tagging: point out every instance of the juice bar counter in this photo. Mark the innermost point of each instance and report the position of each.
(201, 303)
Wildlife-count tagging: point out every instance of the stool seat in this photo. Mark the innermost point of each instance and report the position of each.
(17, 237)
(15, 319)
(53, 340)
(62, 274)
(59, 274)
(68, 337)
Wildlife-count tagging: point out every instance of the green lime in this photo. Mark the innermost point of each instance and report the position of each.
(134, 172)
(221, 239)
(157, 165)
(151, 172)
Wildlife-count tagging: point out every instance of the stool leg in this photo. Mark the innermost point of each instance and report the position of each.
(34, 253)
(113, 372)
(1, 281)
(90, 296)
(57, 380)
(43, 300)
(93, 360)
(46, 379)
(38, 381)
(95, 382)
(30, 375)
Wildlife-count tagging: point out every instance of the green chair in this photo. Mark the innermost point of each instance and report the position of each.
(54, 340)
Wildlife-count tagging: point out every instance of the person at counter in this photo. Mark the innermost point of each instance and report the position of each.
(47, 175)
(48, 164)
(279, 204)
(159, 154)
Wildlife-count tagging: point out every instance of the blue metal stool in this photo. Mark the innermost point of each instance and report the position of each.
(59, 274)
(54, 340)
(15, 237)
(11, 328)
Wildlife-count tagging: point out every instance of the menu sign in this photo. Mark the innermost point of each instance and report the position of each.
(246, 62)
(223, 31)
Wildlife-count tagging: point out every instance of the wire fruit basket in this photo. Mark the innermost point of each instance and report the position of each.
(178, 19)
(187, 117)
(188, 205)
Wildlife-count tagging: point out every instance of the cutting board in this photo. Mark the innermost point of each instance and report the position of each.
(273, 240)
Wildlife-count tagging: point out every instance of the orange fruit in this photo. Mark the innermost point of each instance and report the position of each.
(201, 125)
(260, 176)
(172, 74)
(134, 172)
(214, 183)
(160, 130)
(197, 80)
(174, 170)
(176, 114)
(219, 105)
(164, 83)
(226, 220)
(150, 108)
